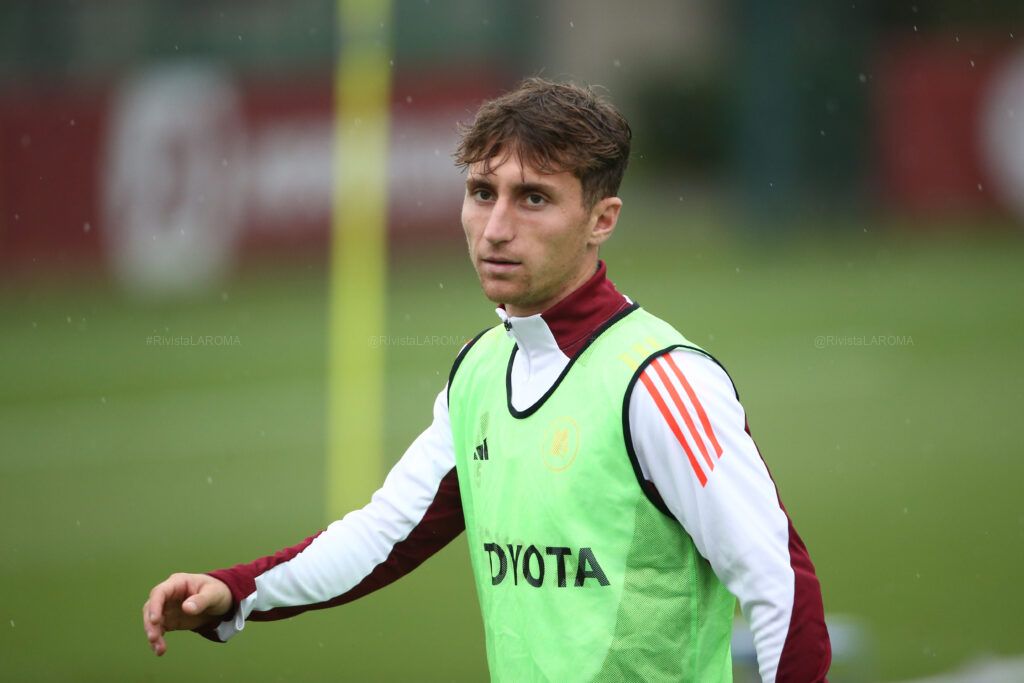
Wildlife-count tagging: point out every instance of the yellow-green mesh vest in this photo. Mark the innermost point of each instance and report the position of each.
(580, 576)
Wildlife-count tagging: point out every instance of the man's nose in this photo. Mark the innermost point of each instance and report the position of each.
(500, 225)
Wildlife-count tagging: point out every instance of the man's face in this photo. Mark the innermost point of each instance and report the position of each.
(531, 239)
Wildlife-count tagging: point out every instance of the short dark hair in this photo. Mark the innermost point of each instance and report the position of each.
(553, 127)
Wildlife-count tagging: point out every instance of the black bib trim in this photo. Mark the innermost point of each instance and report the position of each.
(521, 414)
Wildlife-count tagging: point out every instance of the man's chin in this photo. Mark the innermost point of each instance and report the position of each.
(500, 292)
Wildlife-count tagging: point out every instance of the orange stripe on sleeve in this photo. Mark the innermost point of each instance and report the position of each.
(653, 391)
(696, 404)
(656, 364)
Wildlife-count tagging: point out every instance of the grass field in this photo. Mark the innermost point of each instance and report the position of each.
(121, 461)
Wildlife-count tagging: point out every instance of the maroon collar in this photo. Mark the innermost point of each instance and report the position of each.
(573, 319)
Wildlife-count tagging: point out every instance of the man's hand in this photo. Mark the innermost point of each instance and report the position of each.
(183, 601)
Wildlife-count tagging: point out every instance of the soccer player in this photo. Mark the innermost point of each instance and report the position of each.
(615, 504)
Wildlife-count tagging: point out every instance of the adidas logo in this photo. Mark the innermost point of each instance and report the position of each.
(481, 452)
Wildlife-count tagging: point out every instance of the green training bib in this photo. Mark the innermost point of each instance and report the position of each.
(580, 576)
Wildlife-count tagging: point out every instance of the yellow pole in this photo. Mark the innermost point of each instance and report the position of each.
(358, 254)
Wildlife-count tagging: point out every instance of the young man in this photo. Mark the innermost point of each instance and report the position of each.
(615, 504)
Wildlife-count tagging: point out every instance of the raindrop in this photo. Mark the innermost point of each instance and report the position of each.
(78, 522)
(408, 99)
(616, 63)
(86, 227)
(863, 78)
(209, 480)
(223, 162)
(572, 25)
(12, 623)
(972, 63)
(822, 133)
(103, 400)
(239, 37)
(956, 37)
(915, 28)
(980, 188)
(69, 319)
(223, 296)
(440, 285)
(391, 62)
(72, 122)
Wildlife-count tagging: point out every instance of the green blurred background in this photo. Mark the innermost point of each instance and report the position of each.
(862, 285)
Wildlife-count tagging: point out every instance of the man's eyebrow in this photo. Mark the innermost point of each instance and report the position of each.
(528, 188)
(518, 188)
(478, 181)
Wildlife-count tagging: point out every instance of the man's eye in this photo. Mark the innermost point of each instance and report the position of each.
(535, 200)
(482, 195)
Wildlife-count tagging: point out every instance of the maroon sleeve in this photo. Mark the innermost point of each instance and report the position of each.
(807, 653)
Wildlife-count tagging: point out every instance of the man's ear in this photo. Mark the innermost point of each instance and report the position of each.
(603, 218)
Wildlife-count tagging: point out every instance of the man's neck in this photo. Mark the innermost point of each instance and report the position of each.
(581, 278)
(574, 319)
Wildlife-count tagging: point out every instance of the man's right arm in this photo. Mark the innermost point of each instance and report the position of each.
(413, 515)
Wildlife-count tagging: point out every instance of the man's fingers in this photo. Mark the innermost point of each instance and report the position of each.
(183, 601)
(174, 588)
(154, 631)
(154, 608)
(164, 596)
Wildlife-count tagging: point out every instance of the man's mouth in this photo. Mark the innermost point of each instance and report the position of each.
(499, 263)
